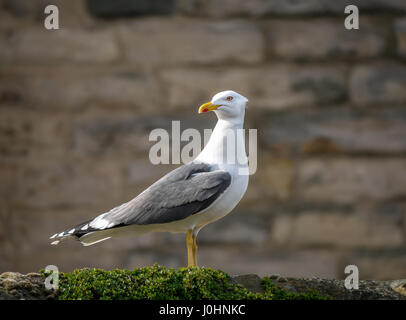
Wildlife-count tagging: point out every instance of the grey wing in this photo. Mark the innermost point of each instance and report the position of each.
(183, 192)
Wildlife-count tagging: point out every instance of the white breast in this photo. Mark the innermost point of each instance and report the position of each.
(223, 205)
(226, 202)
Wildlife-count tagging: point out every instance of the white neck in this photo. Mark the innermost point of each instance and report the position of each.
(226, 146)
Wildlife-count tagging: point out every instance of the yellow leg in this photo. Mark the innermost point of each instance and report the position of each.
(191, 249)
(189, 244)
(194, 250)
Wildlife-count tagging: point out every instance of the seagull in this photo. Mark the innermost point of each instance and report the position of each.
(189, 197)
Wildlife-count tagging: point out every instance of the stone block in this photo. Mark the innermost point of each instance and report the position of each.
(400, 30)
(322, 39)
(38, 45)
(379, 265)
(177, 41)
(378, 84)
(338, 230)
(345, 181)
(77, 90)
(336, 131)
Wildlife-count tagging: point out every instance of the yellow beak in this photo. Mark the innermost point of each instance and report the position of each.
(206, 107)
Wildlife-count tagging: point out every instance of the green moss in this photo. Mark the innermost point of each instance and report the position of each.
(158, 282)
(272, 292)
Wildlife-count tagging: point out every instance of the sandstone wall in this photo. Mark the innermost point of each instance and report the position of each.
(77, 106)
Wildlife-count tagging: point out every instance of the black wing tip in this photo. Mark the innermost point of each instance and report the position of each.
(78, 231)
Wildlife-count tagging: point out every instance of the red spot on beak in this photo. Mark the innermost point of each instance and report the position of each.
(205, 110)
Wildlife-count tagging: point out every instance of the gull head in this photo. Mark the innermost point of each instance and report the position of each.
(226, 104)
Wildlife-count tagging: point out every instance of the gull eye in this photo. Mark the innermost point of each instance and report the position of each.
(229, 98)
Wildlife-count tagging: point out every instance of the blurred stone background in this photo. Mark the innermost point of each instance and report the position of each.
(77, 106)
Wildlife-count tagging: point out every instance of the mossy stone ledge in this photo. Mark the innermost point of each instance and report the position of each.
(157, 282)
